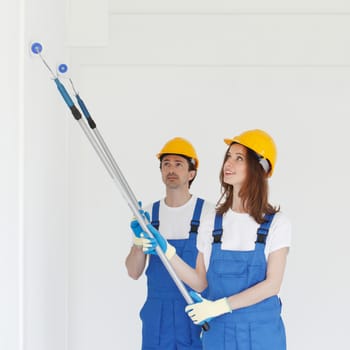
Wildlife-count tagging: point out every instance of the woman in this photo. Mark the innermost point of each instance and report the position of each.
(242, 253)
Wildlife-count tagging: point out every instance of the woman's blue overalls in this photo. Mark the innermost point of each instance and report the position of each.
(165, 324)
(257, 327)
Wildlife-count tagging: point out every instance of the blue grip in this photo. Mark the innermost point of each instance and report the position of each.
(83, 107)
(195, 296)
(64, 93)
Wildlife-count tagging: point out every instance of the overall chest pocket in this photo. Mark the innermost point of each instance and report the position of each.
(227, 268)
(228, 277)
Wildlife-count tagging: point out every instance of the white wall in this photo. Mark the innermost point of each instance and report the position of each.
(147, 72)
(9, 199)
(208, 70)
(33, 219)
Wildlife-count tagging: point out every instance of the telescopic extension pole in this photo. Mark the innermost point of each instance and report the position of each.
(62, 68)
(112, 168)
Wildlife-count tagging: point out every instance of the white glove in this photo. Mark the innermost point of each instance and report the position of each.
(205, 310)
(138, 242)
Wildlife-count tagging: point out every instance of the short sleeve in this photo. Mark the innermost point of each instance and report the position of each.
(204, 239)
(280, 233)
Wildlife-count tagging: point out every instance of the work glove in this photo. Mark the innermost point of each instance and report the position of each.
(136, 227)
(150, 244)
(204, 310)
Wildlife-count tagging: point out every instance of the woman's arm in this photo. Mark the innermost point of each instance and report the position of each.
(194, 278)
(270, 286)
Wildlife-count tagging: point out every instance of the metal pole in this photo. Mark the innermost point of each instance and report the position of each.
(133, 204)
(114, 171)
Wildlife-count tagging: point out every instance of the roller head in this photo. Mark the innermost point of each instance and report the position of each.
(62, 68)
(36, 48)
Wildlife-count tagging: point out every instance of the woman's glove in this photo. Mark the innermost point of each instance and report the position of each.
(205, 310)
(149, 244)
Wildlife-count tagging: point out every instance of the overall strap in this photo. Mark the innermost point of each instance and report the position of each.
(263, 230)
(196, 216)
(217, 231)
(155, 215)
(195, 219)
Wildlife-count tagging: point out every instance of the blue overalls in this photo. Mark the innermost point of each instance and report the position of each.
(256, 327)
(165, 324)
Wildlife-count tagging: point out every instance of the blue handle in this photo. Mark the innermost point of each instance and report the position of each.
(86, 113)
(64, 93)
(83, 107)
(195, 296)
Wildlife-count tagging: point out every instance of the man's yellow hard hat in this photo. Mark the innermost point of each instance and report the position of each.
(180, 146)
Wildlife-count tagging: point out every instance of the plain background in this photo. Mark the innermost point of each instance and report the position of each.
(149, 71)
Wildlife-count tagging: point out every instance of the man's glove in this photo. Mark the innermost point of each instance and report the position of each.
(136, 228)
(205, 310)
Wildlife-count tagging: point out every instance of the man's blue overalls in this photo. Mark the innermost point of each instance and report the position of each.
(257, 327)
(165, 324)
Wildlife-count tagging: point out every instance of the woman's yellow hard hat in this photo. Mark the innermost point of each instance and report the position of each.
(261, 143)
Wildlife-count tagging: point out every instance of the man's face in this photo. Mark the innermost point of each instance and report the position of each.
(175, 171)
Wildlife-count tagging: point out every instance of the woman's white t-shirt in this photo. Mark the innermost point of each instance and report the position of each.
(240, 233)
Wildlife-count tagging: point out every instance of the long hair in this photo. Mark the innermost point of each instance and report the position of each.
(254, 191)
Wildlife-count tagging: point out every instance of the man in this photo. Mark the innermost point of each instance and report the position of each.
(165, 325)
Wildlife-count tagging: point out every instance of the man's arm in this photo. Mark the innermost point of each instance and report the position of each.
(135, 262)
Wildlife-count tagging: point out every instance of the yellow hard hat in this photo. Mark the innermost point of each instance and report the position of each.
(261, 143)
(180, 146)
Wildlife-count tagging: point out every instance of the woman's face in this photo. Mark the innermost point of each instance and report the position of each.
(235, 165)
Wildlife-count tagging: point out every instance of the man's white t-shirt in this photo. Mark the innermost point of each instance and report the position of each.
(175, 222)
(240, 233)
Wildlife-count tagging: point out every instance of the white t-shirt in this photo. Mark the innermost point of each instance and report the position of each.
(239, 233)
(175, 222)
